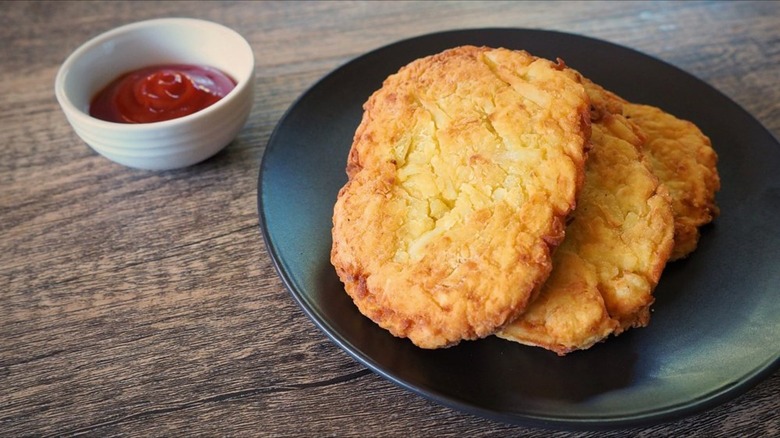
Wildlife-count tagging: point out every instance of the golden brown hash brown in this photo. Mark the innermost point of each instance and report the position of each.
(461, 175)
(683, 159)
(616, 246)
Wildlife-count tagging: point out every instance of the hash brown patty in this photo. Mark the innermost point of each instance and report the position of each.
(682, 157)
(461, 175)
(617, 244)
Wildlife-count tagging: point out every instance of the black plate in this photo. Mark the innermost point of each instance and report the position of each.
(714, 331)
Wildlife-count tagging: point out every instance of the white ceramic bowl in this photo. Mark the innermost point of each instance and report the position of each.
(172, 143)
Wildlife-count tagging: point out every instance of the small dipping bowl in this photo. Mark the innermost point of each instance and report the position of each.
(169, 144)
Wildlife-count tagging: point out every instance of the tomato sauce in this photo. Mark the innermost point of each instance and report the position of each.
(161, 92)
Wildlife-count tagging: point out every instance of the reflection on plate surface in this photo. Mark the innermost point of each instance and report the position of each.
(714, 329)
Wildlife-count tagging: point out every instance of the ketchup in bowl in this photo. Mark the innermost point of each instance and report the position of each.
(161, 92)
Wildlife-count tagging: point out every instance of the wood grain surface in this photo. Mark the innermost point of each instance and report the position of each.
(137, 303)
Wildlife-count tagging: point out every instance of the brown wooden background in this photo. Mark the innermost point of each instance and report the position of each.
(144, 303)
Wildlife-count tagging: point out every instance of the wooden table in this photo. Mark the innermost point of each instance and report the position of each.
(145, 303)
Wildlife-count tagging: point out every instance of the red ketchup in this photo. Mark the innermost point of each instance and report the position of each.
(160, 92)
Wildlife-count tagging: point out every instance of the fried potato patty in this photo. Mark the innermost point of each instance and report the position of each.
(461, 174)
(682, 157)
(616, 246)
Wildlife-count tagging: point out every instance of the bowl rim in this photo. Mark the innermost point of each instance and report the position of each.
(73, 112)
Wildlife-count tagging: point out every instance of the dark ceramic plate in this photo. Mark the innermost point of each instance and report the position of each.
(715, 327)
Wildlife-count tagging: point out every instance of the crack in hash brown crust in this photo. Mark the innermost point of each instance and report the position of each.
(461, 175)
